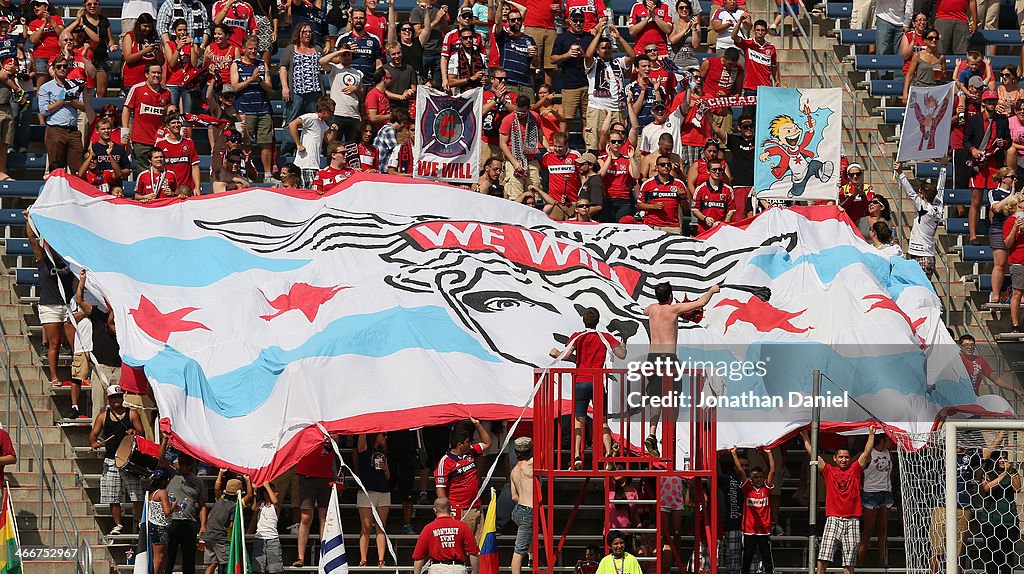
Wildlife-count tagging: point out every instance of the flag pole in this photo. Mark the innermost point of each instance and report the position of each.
(10, 512)
(241, 518)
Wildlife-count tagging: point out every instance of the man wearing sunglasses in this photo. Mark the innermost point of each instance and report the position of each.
(60, 101)
(517, 53)
(606, 78)
(713, 200)
(662, 196)
(335, 173)
(567, 54)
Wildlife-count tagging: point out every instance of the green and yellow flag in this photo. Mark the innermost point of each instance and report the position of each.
(10, 561)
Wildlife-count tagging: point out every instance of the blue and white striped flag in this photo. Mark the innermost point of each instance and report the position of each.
(333, 559)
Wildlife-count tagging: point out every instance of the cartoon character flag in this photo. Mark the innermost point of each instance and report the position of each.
(926, 123)
(798, 135)
(447, 144)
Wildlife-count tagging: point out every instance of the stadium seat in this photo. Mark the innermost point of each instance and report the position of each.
(857, 37)
(977, 253)
(18, 247)
(985, 282)
(278, 108)
(876, 63)
(894, 115)
(996, 38)
(884, 88)
(204, 163)
(957, 197)
(958, 226)
(928, 169)
(27, 161)
(838, 10)
(21, 188)
(26, 276)
(11, 217)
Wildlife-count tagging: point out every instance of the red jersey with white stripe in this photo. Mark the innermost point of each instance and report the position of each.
(592, 10)
(329, 177)
(458, 473)
(563, 181)
(712, 202)
(377, 25)
(650, 33)
(665, 194)
(760, 60)
(757, 510)
(618, 184)
(720, 81)
(148, 106)
(179, 157)
(452, 42)
(164, 183)
(369, 158)
(240, 19)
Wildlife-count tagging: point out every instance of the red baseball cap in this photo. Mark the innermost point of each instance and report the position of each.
(989, 95)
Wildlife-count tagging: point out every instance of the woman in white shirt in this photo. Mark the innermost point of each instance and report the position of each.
(877, 500)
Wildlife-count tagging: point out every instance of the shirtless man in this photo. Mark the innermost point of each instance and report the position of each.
(521, 479)
(648, 165)
(664, 326)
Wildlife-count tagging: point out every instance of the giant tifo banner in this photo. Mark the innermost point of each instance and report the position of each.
(798, 133)
(390, 304)
(447, 140)
(926, 123)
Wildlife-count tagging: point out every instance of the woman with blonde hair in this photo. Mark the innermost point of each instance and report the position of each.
(1003, 201)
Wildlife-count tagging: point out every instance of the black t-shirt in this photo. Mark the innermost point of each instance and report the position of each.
(401, 80)
(49, 292)
(742, 163)
(104, 345)
(574, 75)
(413, 55)
(105, 161)
(593, 190)
(371, 470)
(99, 53)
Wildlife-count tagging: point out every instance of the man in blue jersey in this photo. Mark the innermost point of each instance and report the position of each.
(367, 51)
(517, 53)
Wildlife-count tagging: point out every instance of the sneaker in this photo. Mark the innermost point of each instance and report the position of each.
(651, 443)
(294, 528)
(577, 464)
(1015, 329)
(407, 529)
(74, 413)
(117, 529)
(423, 499)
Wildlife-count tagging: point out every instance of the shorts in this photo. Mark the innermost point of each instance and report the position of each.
(314, 492)
(522, 516)
(655, 386)
(1017, 276)
(287, 485)
(984, 177)
(474, 519)
(516, 186)
(545, 39)
(54, 314)
(690, 154)
(575, 100)
(844, 531)
(378, 499)
(672, 497)
(875, 500)
(102, 65)
(114, 482)
(927, 263)
(216, 552)
(593, 123)
(937, 530)
(6, 124)
(41, 65)
(159, 534)
(260, 128)
(583, 395)
(266, 555)
(953, 36)
(81, 368)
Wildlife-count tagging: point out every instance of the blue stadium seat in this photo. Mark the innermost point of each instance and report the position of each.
(958, 226)
(873, 62)
(204, 162)
(838, 10)
(996, 37)
(926, 169)
(977, 253)
(18, 247)
(26, 276)
(27, 161)
(958, 197)
(857, 37)
(11, 217)
(98, 103)
(882, 88)
(985, 282)
(278, 108)
(21, 188)
(894, 115)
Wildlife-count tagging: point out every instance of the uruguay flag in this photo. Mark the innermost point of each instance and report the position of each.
(488, 541)
(332, 548)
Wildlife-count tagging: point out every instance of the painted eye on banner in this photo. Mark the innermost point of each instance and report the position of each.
(498, 301)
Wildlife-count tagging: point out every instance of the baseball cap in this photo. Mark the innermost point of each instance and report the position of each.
(47, 2)
(227, 89)
(524, 444)
(232, 136)
(576, 15)
(989, 95)
(466, 13)
(976, 82)
(587, 158)
(114, 390)
(657, 106)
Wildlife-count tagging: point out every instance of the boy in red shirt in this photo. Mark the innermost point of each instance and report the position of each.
(842, 502)
(757, 512)
(589, 351)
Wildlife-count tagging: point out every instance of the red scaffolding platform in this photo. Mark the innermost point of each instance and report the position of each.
(629, 420)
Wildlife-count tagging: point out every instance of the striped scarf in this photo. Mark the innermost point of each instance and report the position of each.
(518, 144)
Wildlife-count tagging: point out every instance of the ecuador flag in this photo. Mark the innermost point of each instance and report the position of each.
(488, 541)
(10, 561)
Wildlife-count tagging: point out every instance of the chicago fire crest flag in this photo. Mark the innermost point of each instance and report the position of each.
(447, 144)
(926, 123)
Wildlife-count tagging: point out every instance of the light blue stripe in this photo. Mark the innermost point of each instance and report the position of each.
(374, 335)
(157, 260)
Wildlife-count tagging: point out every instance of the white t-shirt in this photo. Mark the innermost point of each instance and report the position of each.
(311, 137)
(615, 84)
(345, 105)
(652, 133)
(134, 8)
(878, 471)
(725, 36)
(83, 329)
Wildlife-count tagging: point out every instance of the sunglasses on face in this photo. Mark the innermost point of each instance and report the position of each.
(1010, 177)
(875, 202)
(616, 142)
(60, 66)
(747, 127)
(855, 174)
(500, 78)
(406, 30)
(515, 19)
(714, 169)
(467, 37)
(651, 51)
(234, 162)
(663, 164)
(931, 38)
(583, 206)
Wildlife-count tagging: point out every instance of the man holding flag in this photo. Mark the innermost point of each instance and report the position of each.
(447, 541)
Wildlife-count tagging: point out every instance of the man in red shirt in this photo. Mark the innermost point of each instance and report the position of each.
(375, 23)
(563, 179)
(955, 21)
(842, 502)
(156, 181)
(456, 476)
(760, 56)
(661, 196)
(978, 368)
(498, 101)
(589, 351)
(650, 22)
(334, 173)
(148, 102)
(757, 512)
(723, 76)
(446, 542)
(180, 155)
(591, 10)
(315, 473)
(713, 199)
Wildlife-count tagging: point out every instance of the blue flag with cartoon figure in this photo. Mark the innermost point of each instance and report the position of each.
(798, 135)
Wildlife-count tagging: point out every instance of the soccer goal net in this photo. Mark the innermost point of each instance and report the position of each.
(962, 497)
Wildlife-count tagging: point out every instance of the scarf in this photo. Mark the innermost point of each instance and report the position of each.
(468, 64)
(188, 11)
(603, 81)
(519, 146)
(702, 106)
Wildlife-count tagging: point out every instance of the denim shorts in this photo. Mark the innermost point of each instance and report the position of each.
(523, 518)
(873, 500)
